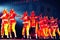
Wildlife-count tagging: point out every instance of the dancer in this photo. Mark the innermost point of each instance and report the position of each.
(33, 20)
(4, 24)
(46, 26)
(52, 27)
(41, 23)
(12, 23)
(26, 24)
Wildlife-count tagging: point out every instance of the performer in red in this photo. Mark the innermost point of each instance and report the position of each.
(56, 25)
(33, 20)
(41, 24)
(4, 24)
(12, 22)
(53, 26)
(46, 26)
(26, 24)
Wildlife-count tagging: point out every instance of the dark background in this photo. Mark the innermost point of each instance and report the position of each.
(46, 7)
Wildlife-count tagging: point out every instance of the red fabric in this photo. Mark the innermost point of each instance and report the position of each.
(12, 21)
(41, 23)
(12, 16)
(5, 17)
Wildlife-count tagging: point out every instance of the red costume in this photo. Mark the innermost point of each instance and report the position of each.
(4, 24)
(26, 24)
(33, 22)
(12, 21)
(52, 26)
(40, 25)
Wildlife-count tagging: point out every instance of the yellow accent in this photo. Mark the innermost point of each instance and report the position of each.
(27, 28)
(6, 29)
(58, 31)
(53, 33)
(36, 28)
(13, 27)
(45, 30)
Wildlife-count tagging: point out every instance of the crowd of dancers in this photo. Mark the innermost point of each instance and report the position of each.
(43, 26)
